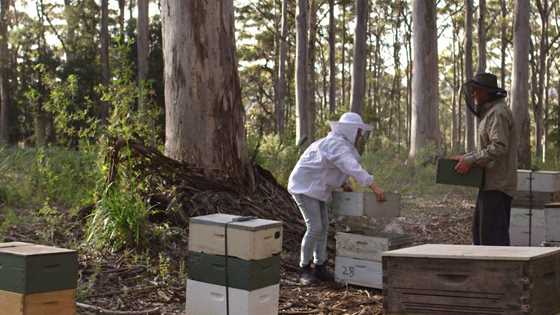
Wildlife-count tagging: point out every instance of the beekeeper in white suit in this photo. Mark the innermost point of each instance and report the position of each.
(325, 166)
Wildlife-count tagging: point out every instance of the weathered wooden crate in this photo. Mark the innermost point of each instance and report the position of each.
(366, 204)
(57, 302)
(359, 272)
(249, 240)
(369, 247)
(542, 181)
(519, 227)
(460, 279)
(210, 299)
(35, 268)
(446, 174)
(242, 274)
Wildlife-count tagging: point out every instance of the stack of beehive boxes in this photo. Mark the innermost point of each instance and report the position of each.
(233, 266)
(361, 237)
(534, 202)
(37, 280)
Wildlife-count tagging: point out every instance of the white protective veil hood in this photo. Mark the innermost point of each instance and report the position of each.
(347, 126)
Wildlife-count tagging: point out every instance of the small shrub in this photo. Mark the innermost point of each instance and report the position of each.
(119, 220)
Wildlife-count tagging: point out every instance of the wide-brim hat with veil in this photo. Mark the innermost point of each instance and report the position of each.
(350, 120)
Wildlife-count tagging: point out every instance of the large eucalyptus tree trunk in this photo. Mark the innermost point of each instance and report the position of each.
(520, 81)
(359, 68)
(425, 98)
(143, 49)
(203, 110)
(302, 101)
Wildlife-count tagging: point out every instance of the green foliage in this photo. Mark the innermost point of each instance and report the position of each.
(119, 221)
(31, 176)
(275, 156)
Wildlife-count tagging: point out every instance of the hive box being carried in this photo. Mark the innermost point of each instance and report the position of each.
(460, 279)
(241, 302)
(366, 204)
(446, 174)
(56, 302)
(249, 240)
(27, 268)
(538, 181)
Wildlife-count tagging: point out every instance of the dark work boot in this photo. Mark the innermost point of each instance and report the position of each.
(307, 276)
(322, 273)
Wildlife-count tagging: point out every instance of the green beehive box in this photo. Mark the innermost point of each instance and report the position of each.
(446, 174)
(27, 269)
(242, 274)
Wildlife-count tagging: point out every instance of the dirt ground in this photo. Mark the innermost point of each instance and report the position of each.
(152, 284)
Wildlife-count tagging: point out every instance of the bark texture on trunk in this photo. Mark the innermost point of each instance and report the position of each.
(204, 114)
(302, 102)
(359, 68)
(425, 98)
(520, 81)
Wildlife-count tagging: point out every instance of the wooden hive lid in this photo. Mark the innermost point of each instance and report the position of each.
(540, 172)
(473, 252)
(14, 244)
(221, 219)
(34, 250)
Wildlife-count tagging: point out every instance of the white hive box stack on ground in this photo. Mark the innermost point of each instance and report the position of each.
(359, 257)
(534, 214)
(361, 240)
(245, 277)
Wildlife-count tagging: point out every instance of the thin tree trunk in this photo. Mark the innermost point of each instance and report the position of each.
(343, 8)
(520, 80)
(425, 122)
(105, 70)
(281, 82)
(302, 103)
(470, 130)
(122, 6)
(503, 46)
(359, 69)
(481, 36)
(4, 69)
(143, 50)
(70, 20)
(454, 137)
(544, 12)
(332, 59)
(204, 115)
(312, 76)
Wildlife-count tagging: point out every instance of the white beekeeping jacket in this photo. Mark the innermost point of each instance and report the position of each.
(327, 164)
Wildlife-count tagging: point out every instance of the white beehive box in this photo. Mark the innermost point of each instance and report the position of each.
(519, 227)
(369, 247)
(358, 272)
(249, 240)
(366, 204)
(543, 181)
(552, 217)
(210, 299)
